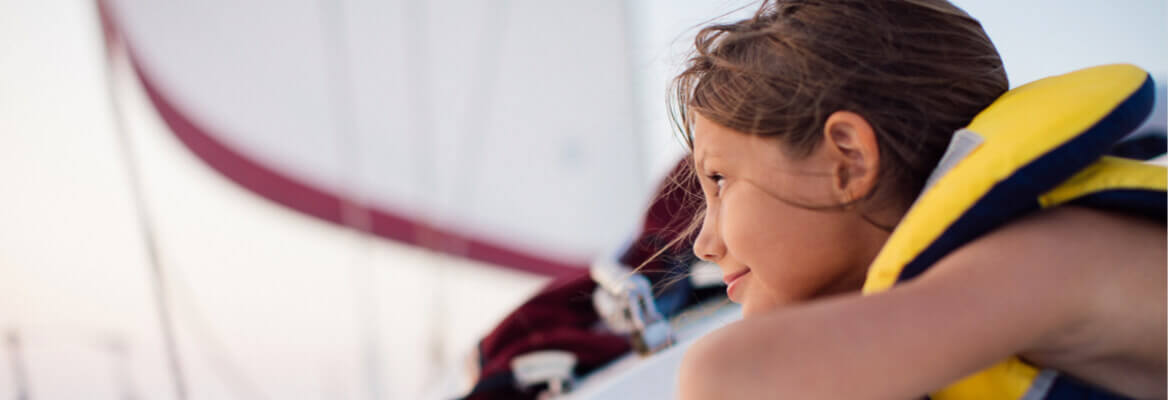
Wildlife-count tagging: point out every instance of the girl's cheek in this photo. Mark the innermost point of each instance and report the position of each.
(742, 226)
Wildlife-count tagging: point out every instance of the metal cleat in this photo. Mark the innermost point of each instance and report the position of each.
(624, 301)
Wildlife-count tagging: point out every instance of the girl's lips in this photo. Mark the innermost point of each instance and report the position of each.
(733, 281)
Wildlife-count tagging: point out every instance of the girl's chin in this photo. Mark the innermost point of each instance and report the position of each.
(754, 306)
(750, 308)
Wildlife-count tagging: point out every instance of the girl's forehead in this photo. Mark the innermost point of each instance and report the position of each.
(704, 132)
(705, 141)
(724, 147)
(710, 139)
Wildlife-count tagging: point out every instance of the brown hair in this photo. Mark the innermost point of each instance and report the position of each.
(917, 70)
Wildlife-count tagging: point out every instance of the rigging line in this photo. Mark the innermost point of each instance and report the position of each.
(16, 359)
(355, 211)
(478, 107)
(476, 111)
(157, 273)
(214, 349)
(120, 359)
(227, 369)
(428, 237)
(631, 12)
(416, 38)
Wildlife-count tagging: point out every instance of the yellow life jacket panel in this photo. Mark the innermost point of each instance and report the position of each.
(1038, 146)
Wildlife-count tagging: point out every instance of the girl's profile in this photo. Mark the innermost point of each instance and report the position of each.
(815, 127)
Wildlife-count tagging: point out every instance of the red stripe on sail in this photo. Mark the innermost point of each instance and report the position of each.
(314, 201)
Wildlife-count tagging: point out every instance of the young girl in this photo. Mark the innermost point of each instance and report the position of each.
(813, 126)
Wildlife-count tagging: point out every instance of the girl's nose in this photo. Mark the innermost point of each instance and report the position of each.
(708, 245)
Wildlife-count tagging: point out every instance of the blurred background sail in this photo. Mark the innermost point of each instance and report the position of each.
(337, 198)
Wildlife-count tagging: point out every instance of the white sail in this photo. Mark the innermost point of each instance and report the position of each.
(533, 129)
(472, 128)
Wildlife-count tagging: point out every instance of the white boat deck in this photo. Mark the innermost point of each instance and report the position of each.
(655, 376)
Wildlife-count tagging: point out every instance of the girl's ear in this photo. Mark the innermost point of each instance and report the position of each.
(850, 144)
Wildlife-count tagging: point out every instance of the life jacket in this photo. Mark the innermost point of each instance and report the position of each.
(1038, 146)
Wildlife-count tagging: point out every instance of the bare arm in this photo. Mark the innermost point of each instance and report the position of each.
(987, 301)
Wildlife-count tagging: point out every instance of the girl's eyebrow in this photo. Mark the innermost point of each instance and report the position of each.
(701, 164)
(699, 159)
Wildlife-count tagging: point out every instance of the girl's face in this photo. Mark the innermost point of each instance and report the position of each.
(773, 249)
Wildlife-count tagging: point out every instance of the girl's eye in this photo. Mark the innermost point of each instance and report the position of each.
(718, 180)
